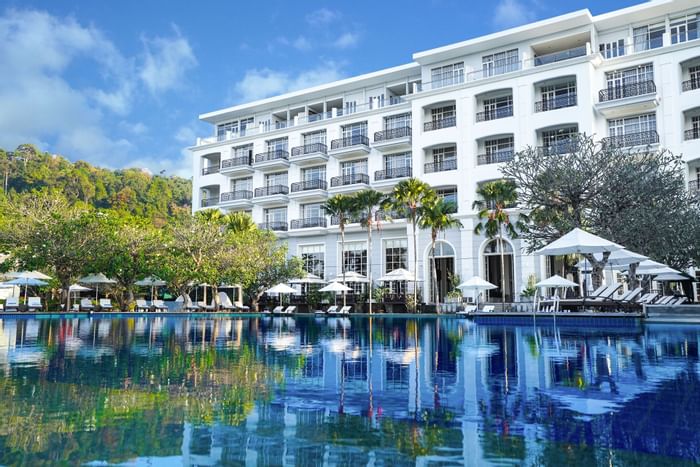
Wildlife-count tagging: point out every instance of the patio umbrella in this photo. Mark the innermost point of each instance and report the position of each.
(26, 282)
(398, 275)
(670, 277)
(29, 274)
(578, 241)
(152, 282)
(556, 281)
(621, 257)
(77, 288)
(281, 289)
(308, 278)
(96, 279)
(351, 276)
(335, 287)
(476, 284)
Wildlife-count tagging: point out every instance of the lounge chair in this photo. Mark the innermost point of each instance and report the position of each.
(106, 304)
(469, 309)
(664, 300)
(142, 305)
(332, 310)
(345, 310)
(204, 307)
(225, 302)
(86, 305)
(290, 309)
(488, 309)
(12, 304)
(189, 306)
(158, 305)
(34, 304)
(679, 301)
(277, 310)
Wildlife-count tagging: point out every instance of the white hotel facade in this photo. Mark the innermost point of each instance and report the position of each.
(450, 117)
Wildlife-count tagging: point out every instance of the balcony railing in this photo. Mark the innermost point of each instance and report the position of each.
(563, 146)
(272, 190)
(235, 162)
(212, 169)
(693, 133)
(309, 149)
(350, 141)
(442, 166)
(274, 225)
(560, 56)
(388, 174)
(558, 102)
(349, 179)
(694, 187)
(627, 90)
(439, 124)
(383, 215)
(643, 138)
(213, 201)
(236, 195)
(276, 154)
(393, 133)
(493, 114)
(313, 184)
(503, 155)
(308, 222)
(691, 84)
(353, 219)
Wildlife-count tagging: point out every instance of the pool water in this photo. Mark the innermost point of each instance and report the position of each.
(345, 391)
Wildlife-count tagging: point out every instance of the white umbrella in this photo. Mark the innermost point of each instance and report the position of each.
(335, 287)
(152, 282)
(308, 279)
(77, 288)
(351, 276)
(26, 282)
(398, 275)
(617, 258)
(477, 284)
(96, 279)
(29, 274)
(578, 241)
(281, 289)
(668, 277)
(556, 281)
(654, 267)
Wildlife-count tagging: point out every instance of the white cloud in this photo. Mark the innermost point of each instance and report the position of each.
(322, 16)
(166, 61)
(347, 40)
(137, 128)
(301, 43)
(511, 13)
(118, 101)
(261, 83)
(186, 135)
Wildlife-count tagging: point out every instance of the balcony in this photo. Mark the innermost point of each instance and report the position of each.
(442, 166)
(494, 114)
(310, 154)
(381, 177)
(563, 146)
(558, 102)
(691, 85)
(275, 226)
(389, 215)
(349, 183)
(209, 202)
(352, 219)
(393, 139)
(628, 99)
(693, 133)
(237, 199)
(694, 188)
(307, 223)
(236, 166)
(350, 146)
(560, 56)
(271, 195)
(643, 138)
(210, 170)
(495, 157)
(272, 160)
(440, 124)
(310, 190)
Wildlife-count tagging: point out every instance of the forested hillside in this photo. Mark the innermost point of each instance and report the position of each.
(131, 190)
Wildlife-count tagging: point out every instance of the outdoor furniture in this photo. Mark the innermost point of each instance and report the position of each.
(290, 309)
(226, 303)
(158, 305)
(189, 306)
(332, 310)
(679, 301)
(34, 304)
(664, 300)
(204, 307)
(106, 304)
(467, 310)
(142, 305)
(277, 310)
(12, 304)
(86, 305)
(345, 310)
(488, 309)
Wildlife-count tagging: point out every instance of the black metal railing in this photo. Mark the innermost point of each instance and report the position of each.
(235, 162)
(442, 166)
(274, 225)
(308, 222)
(383, 215)
(272, 190)
(503, 155)
(554, 57)
(558, 102)
(350, 141)
(691, 84)
(563, 146)
(492, 205)
(393, 133)
(236, 195)
(352, 219)
(309, 149)
(213, 201)
(276, 154)
(349, 179)
(694, 187)
(493, 114)
(397, 172)
(212, 169)
(628, 90)
(313, 184)
(693, 133)
(643, 138)
(439, 124)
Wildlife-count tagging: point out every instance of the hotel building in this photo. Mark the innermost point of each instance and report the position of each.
(451, 117)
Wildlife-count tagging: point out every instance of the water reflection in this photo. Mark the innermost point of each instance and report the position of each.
(316, 391)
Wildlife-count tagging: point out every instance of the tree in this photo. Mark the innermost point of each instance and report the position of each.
(238, 222)
(636, 197)
(494, 198)
(366, 203)
(436, 215)
(407, 198)
(340, 207)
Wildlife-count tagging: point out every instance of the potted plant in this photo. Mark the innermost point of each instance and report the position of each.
(530, 290)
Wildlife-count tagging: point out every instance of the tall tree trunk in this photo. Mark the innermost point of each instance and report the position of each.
(436, 295)
(415, 263)
(369, 260)
(342, 260)
(503, 271)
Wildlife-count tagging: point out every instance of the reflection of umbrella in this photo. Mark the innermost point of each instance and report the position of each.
(335, 287)
(578, 241)
(399, 274)
(281, 289)
(96, 279)
(477, 284)
(26, 282)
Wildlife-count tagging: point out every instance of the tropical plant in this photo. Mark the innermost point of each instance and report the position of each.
(437, 216)
(366, 204)
(530, 289)
(494, 200)
(341, 207)
(238, 221)
(407, 198)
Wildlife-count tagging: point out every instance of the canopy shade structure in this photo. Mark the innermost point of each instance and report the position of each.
(335, 287)
(351, 276)
(96, 279)
(398, 275)
(476, 284)
(556, 281)
(578, 241)
(670, 277)
(78, 288)
(653, 268)
(308, 278)
(26, 282)
(281, 289)
(621, 257)
(151, 281)
(29, 275)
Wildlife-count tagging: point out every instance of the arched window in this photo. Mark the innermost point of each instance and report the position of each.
(442, 249)
(492, 248)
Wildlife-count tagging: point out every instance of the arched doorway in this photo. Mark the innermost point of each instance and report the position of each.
(492, 267)
(445, 267)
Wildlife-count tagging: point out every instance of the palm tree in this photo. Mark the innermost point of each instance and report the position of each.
(340, 207)
(239, 221)
(407, 198)
(494, 198)
(437, 216)
(366, 203)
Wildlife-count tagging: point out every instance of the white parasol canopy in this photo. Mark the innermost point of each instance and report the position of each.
(669, 277)
(621, 257)
(654, 268)
(308, 279)
(26, 282)
(78, 288)
(398, 275)
(28, 275)
(335, 287)
(96, 279)
(556, 281)
(578, 241)
(151, 281)
(351, 276)
(476, 284)
(281, 289)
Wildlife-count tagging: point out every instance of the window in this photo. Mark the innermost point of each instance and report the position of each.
(395, 254)
(316, 137)
(311, 211)
(313, 258)
(638, 74)
(449, 195)
(314, 173)
(447, 75)
(397, 121)
(355, 129)
(355, 257)
(226, 130)
(447, 153)
(243, 151)
(613, 49)
(684, 29)
(397, 162)
(353, 167)
(441, 113)
(275, 215)
(242, 184)
(694, 73)
(275, 179)
(495, 146)
(560, 136)
(553, 93)
(279, 144)
(648, 37)
(499, 63)
(497, 105)
(632, 125)
(442, 249)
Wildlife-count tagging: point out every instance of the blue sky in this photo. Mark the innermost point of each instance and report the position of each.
(120, 84)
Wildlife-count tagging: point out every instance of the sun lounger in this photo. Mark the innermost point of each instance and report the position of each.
(106, 304)
(277, 310)
(158, 305)
(345, 310)
(12, 304)
(290, 309)
(204, 307)
(34, 304)
(332, 310)
(142, 305)
(225, 302)
(189, 306)
(679, 301)
(86, 305)
(466, 310)
(488, 309)
(664, 300)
